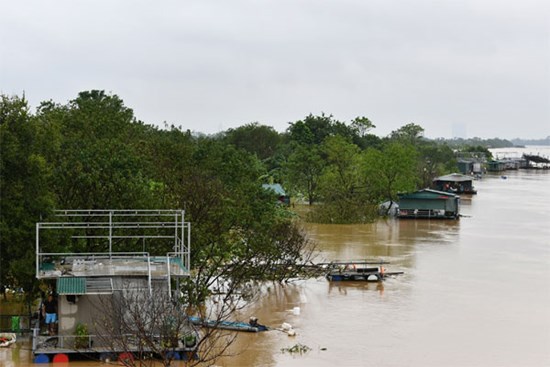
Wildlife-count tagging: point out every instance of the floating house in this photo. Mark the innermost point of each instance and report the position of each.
(496, 166)
(88, 285)
(429, 203)
(469, 166)
(455, 183)
(279, 191)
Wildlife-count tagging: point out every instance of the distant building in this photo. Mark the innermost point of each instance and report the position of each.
(428, 203)
(496, 166)
(470, 166)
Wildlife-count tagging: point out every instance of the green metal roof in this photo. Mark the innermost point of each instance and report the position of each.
(71, 285)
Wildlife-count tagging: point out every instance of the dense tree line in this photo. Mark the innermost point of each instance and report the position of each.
(92, 153)
(478, 142)
(523, 142)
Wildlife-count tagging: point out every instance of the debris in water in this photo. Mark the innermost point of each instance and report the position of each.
(286, 326)
(296, 348)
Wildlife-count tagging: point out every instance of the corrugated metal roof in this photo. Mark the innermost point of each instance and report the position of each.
(427, 194)
(275, 187)
(71, 285)
(454, 177)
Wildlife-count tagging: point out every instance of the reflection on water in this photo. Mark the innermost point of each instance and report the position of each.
(342, 288)
(475, 291)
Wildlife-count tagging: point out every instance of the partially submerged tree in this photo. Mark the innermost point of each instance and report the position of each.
(345, 198)
(303, 170)
(391, 170)
(156, 324)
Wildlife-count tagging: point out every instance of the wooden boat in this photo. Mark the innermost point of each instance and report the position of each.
(370, 271)
(7, 339)
(251, 326)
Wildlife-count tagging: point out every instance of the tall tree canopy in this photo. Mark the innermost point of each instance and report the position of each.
(25, 196)
(93, 153)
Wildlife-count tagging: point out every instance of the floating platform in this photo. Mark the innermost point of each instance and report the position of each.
(369, 271)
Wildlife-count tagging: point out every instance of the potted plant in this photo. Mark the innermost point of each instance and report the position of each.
(82, 336)
(190, 340)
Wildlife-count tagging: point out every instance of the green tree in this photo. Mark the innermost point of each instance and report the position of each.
(361, 126)
(410, 133)
(25, 196)
(344, 195)
(255, 138)
(313, 130)
(391, 170)
(303, 170)
(98, 162)
(434, 160)
(477, 151)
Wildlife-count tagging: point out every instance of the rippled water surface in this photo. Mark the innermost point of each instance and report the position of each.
(476, 292)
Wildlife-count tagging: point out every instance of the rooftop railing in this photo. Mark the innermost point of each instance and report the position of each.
(114, 230)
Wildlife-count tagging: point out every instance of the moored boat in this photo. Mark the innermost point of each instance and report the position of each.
(358, 271)
(251, 326)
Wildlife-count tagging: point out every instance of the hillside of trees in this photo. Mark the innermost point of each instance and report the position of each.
(92, 153)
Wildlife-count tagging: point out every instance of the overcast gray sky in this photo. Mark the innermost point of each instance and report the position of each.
(468, 67)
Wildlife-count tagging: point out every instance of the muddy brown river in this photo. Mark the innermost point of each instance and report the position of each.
(476, 292)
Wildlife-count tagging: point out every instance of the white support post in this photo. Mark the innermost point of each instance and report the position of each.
(182, 238)
(189, 247)
(149, 275)
(37, 249)
(169, 277)
(176, 232)
(110, 234)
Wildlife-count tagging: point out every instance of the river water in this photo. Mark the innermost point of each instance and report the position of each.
(476, 291)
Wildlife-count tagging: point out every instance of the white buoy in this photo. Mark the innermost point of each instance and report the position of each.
(296, 311)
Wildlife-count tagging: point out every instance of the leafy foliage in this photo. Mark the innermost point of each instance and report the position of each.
(303, 170)
(391, 170)
(257, 139)
(93, 153)
(342, 188)
(25, 179)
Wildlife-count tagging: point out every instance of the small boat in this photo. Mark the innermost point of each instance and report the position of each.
(251, 326)
(358, 271)
(7, 339)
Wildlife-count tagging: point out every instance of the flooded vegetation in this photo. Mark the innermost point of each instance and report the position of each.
(475, 292)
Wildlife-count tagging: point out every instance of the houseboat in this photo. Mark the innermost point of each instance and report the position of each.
(472, 166)
(98, 279)
(455, 183)
(430, 204)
